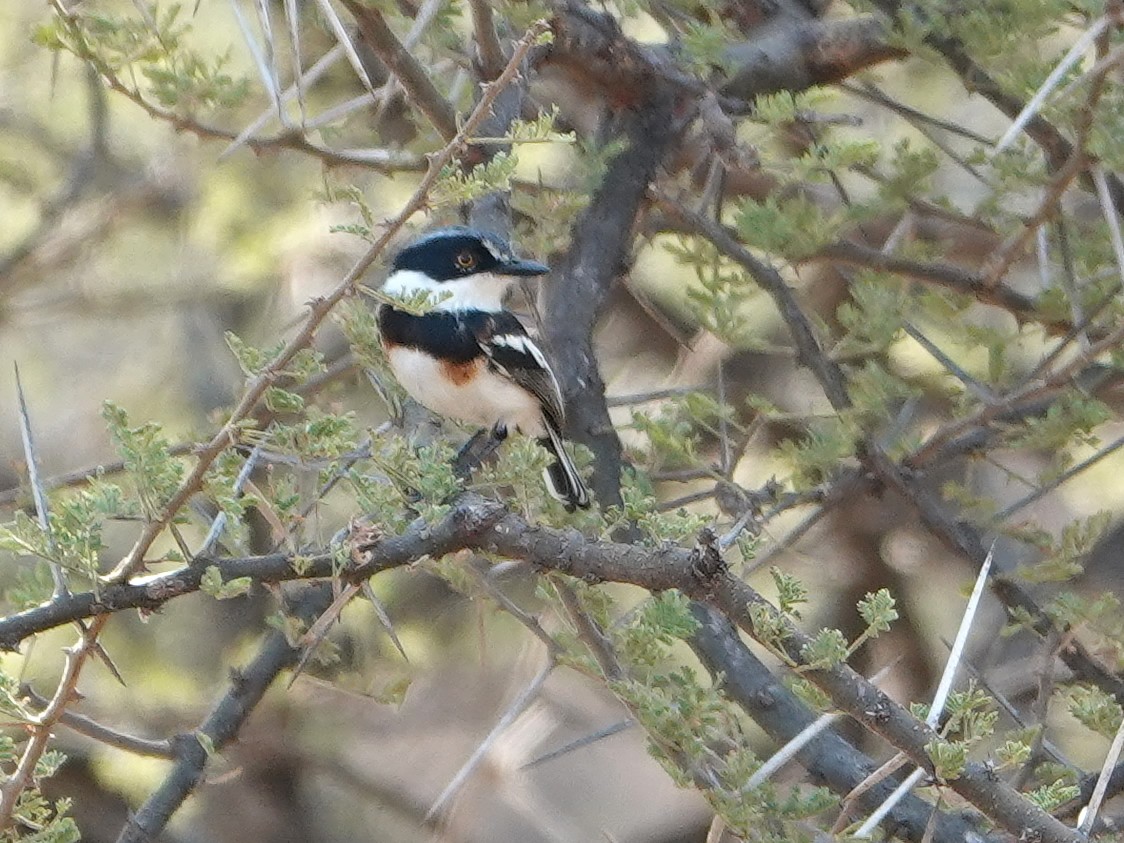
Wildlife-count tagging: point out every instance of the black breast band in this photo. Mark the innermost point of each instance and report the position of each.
(455, 337)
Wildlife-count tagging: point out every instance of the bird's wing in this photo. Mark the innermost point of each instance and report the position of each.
(513, 353)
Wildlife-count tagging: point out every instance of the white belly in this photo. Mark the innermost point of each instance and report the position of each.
(484, 400)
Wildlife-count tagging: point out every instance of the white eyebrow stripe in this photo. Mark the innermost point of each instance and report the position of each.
(494, 250)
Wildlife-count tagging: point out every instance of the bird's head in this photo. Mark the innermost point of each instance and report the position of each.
(463, 267)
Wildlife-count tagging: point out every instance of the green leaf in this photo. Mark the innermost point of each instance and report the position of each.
(1012, 753)
(790, 591)
(206, 742)
(212, 583)
(282, 401)
(1051, 796)
(794, 227)
(826, 650)
(949, 758)
(1095, 709)
(879, 610)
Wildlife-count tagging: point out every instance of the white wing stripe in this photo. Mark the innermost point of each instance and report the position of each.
(526, 345)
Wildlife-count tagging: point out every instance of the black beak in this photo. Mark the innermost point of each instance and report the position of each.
(523, 267)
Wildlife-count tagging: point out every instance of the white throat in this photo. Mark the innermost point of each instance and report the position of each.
(483, 291)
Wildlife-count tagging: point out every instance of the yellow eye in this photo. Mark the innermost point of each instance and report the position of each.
(466, 260)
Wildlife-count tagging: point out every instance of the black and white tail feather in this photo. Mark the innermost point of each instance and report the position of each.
(561, 476)
(514, 355)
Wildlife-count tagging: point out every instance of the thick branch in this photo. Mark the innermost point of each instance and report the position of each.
(475, 522)
(575, 297)
(415, 81)
(222, 725)
(418, 541)
(828, 757)
(571, 553)
(797, 56)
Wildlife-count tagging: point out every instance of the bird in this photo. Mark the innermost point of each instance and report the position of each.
(468, 357)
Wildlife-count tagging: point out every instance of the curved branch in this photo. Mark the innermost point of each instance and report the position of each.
(828, 757)
(799, 55)
(477, 523)
(222, 725)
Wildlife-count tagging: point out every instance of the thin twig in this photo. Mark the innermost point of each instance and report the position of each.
(944, 687)
(582, 742)
(38, 493)
(518, 706)
(104, 734)
(1083, 43)
(1089, 815)
(413, 77)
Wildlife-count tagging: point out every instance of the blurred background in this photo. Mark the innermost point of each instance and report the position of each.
(129, 248)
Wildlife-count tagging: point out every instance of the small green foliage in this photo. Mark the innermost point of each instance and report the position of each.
(790, 592)
(873, 314)
(316, 435)
(785, 107)
(793, 227)
(704, 47)
(1018, 619)
(283, 401)
(770, 628)
(723, 289)
(1052, 795)
(1066, 558)
(359, 324)
(212, 583)
(655, 626)
(1070, 609)
(878, 610)
(1068, 421)
(417, 303)
(1012, 753)
(826, 650)
(911, 171)
(683, 718)
(251, 360)
(50, 763)
(672, 438)
(48, 821)
(949, 758)
(22, 535)
(874, 391)
(920, 710)
(971, 713)
(968, 500)
(817, 457)
(144, 450)
(456, 186)
(354, 197)
(835, 153)
(542, 129)
(1095, 709)
(190, 82)
(206, 742)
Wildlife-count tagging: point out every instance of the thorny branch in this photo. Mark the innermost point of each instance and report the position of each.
(649, 121)
(228, 435)
(477, 523)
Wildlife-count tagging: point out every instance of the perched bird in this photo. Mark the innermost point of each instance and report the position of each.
(469, 358)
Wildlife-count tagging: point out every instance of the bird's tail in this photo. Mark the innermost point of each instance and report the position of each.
(562, 478)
